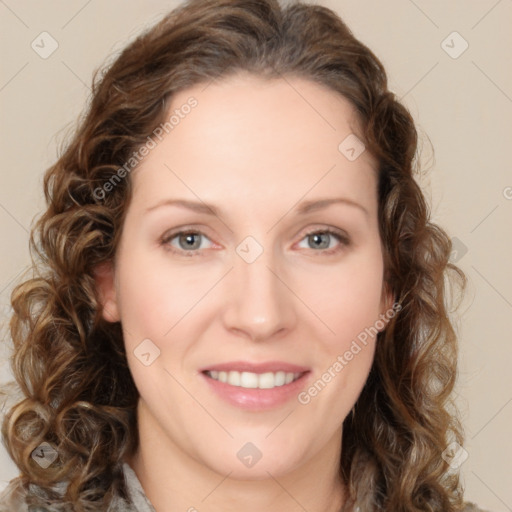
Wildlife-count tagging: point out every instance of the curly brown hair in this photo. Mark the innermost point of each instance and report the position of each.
(71, 366)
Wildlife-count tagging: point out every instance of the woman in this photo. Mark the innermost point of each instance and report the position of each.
(240, 301)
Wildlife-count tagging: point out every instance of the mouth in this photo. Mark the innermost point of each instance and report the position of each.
(256, 387)
(250, 380)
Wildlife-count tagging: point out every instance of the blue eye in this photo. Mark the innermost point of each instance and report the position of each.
(188, 242)
(321, 239)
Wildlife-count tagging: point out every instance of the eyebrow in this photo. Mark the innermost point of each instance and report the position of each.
(304, 208)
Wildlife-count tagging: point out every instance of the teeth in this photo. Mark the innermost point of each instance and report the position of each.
(280, 378)
(267, 380)
(234, 378)
(248, 380)
(251, 380)
(289, 378)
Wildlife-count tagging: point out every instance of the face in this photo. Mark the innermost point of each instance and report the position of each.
(249, 276)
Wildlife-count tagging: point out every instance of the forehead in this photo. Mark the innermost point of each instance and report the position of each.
(269, 139)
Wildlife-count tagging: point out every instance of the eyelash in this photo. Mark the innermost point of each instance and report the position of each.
(340, 236)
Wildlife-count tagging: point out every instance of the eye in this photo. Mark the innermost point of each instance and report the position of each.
(190, 242)
(323, 239)
(183, 242)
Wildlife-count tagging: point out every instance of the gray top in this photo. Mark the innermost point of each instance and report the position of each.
(11, 501)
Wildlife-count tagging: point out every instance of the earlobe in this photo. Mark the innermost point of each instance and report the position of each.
(105, 285)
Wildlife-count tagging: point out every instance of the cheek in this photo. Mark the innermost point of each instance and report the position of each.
(154, 296)
(348, 300)
(350, 305)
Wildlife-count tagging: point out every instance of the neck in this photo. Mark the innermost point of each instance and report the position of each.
(173, 480)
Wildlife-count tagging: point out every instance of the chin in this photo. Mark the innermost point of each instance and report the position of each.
(261, 470)
(254, 461)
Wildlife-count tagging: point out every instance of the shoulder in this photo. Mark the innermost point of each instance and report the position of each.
(12, 499)
(471, 507)
(17, 498)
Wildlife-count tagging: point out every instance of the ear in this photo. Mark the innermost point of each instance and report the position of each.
(105, 285)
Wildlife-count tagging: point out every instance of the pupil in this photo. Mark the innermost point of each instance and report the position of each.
(189, 240)
(318, 238)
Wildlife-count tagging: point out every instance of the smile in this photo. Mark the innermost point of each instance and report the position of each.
(250, 380)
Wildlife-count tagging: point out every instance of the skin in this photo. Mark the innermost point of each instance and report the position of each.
(255, 149)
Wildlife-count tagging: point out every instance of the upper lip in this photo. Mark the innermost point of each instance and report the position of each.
(264, 367)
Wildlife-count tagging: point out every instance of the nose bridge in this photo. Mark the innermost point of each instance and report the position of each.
(260, 305)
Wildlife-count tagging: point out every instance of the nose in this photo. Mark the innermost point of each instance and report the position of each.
(260, 304)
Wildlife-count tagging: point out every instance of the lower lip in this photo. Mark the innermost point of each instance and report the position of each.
(255, 399)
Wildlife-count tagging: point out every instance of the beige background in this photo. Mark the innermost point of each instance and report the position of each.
(464, 104)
